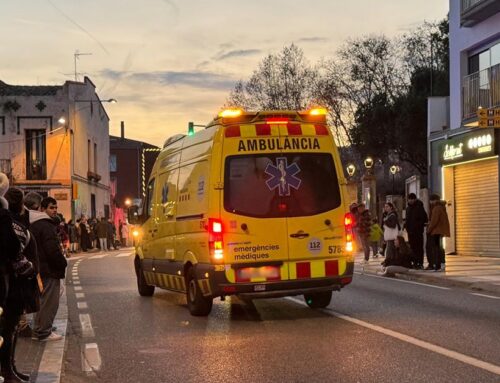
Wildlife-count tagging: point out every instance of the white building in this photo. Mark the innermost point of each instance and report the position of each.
(464, 164)
(55, 140)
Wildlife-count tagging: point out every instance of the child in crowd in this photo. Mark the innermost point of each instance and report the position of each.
(376, 233)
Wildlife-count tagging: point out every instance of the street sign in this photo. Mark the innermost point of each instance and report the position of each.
(489, 117)
(489, 122)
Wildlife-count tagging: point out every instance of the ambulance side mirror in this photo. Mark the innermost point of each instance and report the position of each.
(133, 215)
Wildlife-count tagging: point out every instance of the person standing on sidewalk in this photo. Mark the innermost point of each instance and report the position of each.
(376, 234)
(52, 269)
(102, 234)
(391, 231)
(364, 228)
(416, 218)
(23, 295)
(439, 227)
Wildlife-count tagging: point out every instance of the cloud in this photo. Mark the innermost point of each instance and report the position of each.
(237, 53)
(196, 79)
(316, 39)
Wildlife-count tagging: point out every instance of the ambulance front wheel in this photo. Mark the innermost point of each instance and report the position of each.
(318, 300)
(198, 304)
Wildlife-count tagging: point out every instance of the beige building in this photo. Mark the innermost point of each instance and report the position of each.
(55, 140)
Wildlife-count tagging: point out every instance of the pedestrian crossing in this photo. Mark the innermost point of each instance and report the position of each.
(111, 255)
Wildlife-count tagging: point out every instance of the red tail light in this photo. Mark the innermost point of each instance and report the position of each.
(215, 241)
(349, 236)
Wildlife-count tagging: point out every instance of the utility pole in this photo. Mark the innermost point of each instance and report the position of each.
(76, 56)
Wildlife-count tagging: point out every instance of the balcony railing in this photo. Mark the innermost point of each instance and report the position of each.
(475, 11)
(480, 89)
(467, 4)
(6, 167)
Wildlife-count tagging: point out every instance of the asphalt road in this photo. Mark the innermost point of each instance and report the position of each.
(375, 330)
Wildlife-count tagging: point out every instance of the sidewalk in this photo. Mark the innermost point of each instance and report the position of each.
(477, 273)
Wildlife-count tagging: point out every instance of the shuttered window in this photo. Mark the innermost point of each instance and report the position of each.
(477, 208)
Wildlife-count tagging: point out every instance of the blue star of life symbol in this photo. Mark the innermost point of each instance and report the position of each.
(283, 176)
(164, 194)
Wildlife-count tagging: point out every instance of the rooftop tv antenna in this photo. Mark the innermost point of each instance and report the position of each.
(77, 56)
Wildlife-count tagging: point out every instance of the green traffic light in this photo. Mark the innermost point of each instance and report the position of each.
(190, 128)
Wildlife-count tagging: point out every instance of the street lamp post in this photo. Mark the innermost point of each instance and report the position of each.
(369, 186)
(393, 169)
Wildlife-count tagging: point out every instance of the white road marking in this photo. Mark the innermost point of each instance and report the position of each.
(91, 359)
(82, 305)
(98, 256)
(78, 288)
(86, 326)
(80, 295)
(403, 281)
(123, 255)
(416, 342)
(485, 296)
(76, 283)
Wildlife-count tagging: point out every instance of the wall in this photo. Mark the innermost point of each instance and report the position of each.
(463, 40)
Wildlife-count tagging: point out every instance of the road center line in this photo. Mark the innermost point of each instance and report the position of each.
(82, 305)
(416, 342)
(80, 295)
(485, 296)
(403, 281)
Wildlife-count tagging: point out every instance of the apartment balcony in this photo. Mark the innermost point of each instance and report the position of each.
(480, 89)
(475, 11)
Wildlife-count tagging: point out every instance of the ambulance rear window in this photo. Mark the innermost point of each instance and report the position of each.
(280, 185)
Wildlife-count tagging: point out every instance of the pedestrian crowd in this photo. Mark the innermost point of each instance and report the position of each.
(387, 237)
(34, 244)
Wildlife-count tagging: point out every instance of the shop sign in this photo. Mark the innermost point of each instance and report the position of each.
(467, 147)
(61, 196)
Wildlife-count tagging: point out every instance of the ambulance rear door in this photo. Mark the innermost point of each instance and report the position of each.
(255, 229)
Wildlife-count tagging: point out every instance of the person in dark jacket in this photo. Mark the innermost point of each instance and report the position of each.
(102, 234)
(52, 268)
(416, 218)
(401, 261)
(84, 235)
(364, 227)
(23, 295)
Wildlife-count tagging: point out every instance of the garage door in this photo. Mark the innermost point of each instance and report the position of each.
(476, 203)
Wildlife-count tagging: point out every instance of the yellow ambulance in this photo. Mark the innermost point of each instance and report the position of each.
(253, 205)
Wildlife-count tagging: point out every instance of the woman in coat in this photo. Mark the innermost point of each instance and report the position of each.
(391, 231)
(439, 227)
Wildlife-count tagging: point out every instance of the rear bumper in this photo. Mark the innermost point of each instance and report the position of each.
(220, 286)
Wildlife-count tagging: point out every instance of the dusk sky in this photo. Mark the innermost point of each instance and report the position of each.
(168, 62)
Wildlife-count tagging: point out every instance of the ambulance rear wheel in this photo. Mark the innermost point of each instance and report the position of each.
(144, 289)
(198, 304)
(318, 300)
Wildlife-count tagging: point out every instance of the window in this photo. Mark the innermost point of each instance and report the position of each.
(95, 158)
(89, 149)
(112, 163)
(36, 155)
(149, 203)
(281, 185)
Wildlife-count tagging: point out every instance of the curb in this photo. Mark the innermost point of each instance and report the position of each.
(439, 281)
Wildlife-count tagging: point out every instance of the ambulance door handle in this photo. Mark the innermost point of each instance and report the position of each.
(300, 234)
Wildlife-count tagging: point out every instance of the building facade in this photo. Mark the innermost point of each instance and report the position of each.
(55, 140)
(463, 156)
(130, 166)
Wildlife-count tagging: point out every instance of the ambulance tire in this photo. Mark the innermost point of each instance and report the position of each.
(198, 304)
(144, 289)
(318, 300)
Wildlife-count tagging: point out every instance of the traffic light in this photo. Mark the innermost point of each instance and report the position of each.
(190, 128)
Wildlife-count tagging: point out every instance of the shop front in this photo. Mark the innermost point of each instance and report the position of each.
(469, 165)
